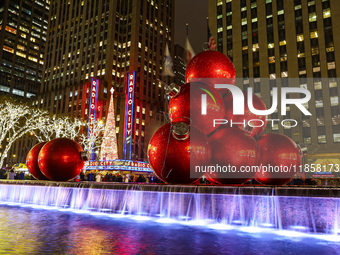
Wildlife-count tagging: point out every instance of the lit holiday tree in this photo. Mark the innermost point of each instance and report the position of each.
(109, 150)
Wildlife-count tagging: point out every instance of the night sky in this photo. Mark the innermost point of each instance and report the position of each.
(195, 13)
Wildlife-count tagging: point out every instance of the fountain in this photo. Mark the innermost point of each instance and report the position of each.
(249, 208)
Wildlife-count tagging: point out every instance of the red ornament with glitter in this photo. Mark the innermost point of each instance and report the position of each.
(211, 64)
(185, 106)
(172, 151)
(61, 159)
(254, 124)
(32, 162)
(281, 153)
(232, 148)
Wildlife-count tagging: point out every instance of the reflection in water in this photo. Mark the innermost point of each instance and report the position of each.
(33, 231)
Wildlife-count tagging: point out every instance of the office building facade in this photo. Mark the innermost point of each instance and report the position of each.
(179, 65)
(23, 32)
(273, 41)
(106, 43)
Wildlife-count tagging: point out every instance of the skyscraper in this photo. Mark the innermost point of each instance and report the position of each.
(287, 39)
(108, 41)
(179, 65)
(23, 31)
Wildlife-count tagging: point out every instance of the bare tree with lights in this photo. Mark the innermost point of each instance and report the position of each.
(59, 127)
(15, 121)
(91, 141)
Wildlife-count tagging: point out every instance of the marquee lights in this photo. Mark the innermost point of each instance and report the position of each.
(129, 110)
(93, 104)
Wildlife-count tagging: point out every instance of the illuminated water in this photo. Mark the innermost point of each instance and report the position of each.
(302, 214)
(25, 230)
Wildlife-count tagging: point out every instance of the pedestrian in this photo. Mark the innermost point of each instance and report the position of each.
(98, 177)
(11, 175)
(22, 175)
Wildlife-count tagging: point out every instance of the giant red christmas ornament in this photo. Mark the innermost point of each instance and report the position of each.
(185, 106)
(32, 162)
(60, 159)
(211, 64)
(235, 151)
(254, 124)
(174, 148)
(281, 159)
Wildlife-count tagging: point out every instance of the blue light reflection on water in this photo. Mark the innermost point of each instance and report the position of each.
(36, 231)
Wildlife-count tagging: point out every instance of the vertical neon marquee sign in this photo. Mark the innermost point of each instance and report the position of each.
(92, 110)
(129, 110)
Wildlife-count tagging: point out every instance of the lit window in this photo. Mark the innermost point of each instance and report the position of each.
(299, 38)
(334, 101)
(11, 30)
(333, 84)
(331, 65)
(316, 69)
(220, 29)
(280, 12)
(336, 138)
(314, 35)
(322, 138)
(307, 140)
(32, 59)
(283, 43)
(326, 13)
(21, 54)
(270, 45)
(312, 17)
(310, 3)
(317, 85)
(244, 21)
(330, 49)
(318, 103)
(9, 49)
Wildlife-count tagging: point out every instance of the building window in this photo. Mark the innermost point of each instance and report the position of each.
(336, 138)
(321, 138)
(334, 101)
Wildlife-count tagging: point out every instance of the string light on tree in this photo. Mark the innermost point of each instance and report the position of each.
(109, 150)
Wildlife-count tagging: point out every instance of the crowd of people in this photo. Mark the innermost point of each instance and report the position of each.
(10, 174)
(117, 177)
